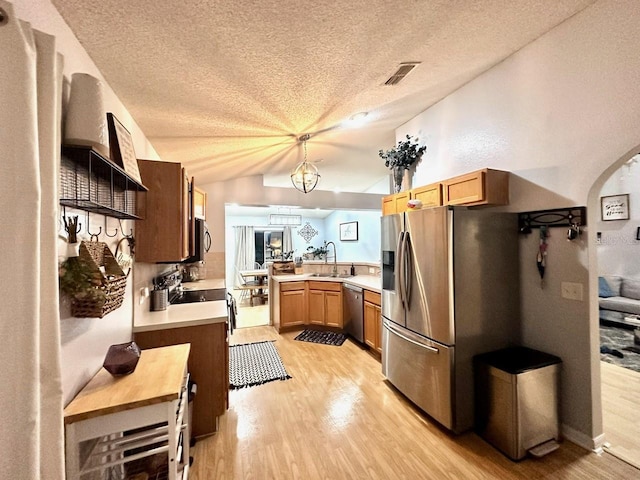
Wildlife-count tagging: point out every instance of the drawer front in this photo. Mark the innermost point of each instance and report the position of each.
(325, 286)
(288, 286)
(372, 297)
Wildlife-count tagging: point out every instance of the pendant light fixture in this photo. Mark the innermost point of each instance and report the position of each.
(305, 176)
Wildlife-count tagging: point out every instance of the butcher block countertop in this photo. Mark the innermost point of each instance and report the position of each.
(369, 282)
(186, 314)
(158, 377)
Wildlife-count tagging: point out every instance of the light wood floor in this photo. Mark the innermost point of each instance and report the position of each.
(249, 316)
(621, 412)
(337, 418)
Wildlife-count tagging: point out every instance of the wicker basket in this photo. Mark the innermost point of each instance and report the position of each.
(112, 282)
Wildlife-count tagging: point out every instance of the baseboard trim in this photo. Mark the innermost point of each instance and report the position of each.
(585, 441)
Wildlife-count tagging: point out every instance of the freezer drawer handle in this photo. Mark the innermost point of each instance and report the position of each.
(421, 345)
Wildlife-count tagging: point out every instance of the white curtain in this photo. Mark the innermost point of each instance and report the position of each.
(31, 398)
(287, 240)
(245, 251)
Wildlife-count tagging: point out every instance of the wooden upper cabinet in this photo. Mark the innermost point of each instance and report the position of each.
(199, 203)
(166, 232)
(396, 203)
(482, 187)
(430, 195)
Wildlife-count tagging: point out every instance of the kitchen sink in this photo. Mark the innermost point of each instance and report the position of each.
(331, 275)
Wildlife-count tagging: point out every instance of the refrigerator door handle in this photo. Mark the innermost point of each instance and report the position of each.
(400, 267)
(393, 330)
(408, 269)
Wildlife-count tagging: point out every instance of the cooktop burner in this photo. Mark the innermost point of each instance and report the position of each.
(191, 296)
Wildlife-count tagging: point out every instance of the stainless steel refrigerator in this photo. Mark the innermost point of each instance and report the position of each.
(450, 290)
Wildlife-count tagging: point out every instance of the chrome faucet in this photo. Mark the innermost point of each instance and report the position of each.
(334, 272)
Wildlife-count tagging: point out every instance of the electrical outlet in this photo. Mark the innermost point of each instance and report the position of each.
(372, 270)
(144, 293)
(572, 291)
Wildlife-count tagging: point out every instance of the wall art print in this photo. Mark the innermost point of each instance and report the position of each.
(307, 232)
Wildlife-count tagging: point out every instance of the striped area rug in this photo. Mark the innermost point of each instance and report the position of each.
(326, 338)
(254, 364)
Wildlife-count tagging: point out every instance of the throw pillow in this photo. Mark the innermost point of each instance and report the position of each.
(604, 290)
(630, 288)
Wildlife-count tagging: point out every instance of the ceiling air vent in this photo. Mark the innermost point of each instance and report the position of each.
(402, 72)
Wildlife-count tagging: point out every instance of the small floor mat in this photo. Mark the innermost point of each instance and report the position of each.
(254, 364)
(318, 336)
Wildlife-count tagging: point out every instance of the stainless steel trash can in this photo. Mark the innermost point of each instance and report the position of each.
(516, 392)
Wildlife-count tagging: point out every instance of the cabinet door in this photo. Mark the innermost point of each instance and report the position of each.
(316, 307)
(482, 187)
(292, 308)
(389, 205)
(402, 199)
(395, 203)
(378, 326)
(429, 195)
(208, 366)
(370, 331)
(333, 309)
(164, 234)
(199, 203)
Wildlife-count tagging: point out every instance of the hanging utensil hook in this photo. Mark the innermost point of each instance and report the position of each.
(106, 231)
(89, 232)
(130, 234)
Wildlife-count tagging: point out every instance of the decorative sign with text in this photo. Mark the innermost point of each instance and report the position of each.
(121, 148)
(615, 207)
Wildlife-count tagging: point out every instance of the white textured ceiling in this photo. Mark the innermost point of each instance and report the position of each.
(227, 87)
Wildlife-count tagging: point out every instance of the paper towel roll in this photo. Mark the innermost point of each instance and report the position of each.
(86, 120)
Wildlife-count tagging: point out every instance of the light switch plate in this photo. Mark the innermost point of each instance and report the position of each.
(572, 291)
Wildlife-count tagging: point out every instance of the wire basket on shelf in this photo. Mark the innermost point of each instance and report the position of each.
(108, 282)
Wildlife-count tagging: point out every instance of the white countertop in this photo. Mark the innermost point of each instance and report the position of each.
(370, 282)
(186, 314)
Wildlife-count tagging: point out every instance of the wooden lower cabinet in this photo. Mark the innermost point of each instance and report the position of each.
(316, 307)
(293, 304)
(372, 321)
(208, 365)
(325, 304)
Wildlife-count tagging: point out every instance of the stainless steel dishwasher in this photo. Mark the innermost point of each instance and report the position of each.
(353, 318)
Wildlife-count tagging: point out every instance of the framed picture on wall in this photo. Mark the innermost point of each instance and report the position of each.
(349, 231)
(615, 207)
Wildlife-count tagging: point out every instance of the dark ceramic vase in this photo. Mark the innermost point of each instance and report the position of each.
(122, 358)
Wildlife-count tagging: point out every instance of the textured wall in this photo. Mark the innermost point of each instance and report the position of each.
(557, 114)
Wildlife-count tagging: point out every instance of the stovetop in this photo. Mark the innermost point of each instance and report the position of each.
(191, 296)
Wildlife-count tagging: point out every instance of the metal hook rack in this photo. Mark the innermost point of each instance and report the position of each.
(574, 217)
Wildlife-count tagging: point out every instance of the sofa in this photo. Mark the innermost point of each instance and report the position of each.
(619, 300)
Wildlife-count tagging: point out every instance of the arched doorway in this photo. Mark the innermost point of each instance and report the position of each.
(614, 240)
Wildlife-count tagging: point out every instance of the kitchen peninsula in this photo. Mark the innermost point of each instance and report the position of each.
(204, 325)
(314, 298)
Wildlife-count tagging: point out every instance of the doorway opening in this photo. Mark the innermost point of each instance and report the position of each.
(617, 260)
